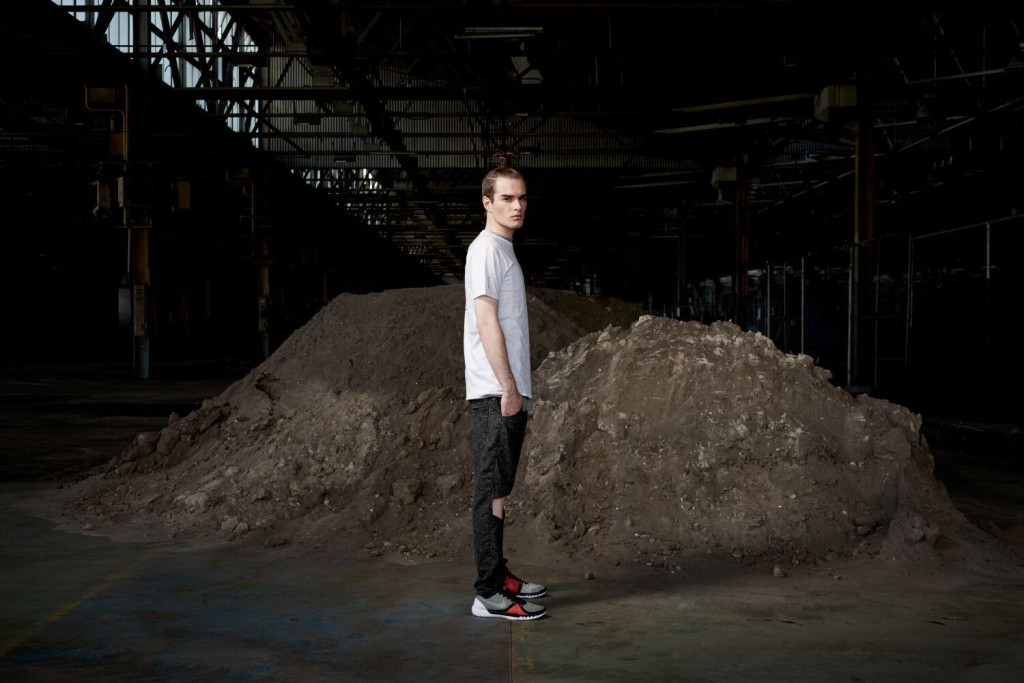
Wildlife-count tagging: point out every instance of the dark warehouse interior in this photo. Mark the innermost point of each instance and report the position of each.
(845, 185)
(188, 183)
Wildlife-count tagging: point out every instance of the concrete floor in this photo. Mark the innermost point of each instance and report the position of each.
(77, 607)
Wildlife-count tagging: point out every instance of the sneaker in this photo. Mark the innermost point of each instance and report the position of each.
(524, 590)
(504, 606)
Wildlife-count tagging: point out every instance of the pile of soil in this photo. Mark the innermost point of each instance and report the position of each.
(651, 441)
(671, 439)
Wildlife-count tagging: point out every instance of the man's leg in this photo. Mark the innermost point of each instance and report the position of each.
(497, 442)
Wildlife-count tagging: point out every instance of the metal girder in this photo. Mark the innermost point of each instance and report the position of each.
(707, 69)
(538, 93)
(109, 6)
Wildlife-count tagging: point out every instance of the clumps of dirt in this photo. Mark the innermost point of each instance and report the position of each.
(355, 429)
(650, 442)
(671, 439)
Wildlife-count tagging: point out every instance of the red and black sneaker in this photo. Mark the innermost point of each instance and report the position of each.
(505, 606)
(524, 590)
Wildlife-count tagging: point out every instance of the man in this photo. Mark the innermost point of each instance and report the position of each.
(496, 344)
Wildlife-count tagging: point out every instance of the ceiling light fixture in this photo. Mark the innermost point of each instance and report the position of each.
(721, 126)
(666, 183)
(304, 120)
(745, 103)
(1017, 61)
(499, 32)
(250, 59)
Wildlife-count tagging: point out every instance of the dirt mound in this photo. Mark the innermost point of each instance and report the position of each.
(673, 438)
(356, 428)
(647, 444)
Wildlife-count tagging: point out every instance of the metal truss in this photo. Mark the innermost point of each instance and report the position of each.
(189, 44)
(373, 102)
(244, 64)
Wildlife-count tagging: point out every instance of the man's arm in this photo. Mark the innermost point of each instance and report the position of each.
(493, 339)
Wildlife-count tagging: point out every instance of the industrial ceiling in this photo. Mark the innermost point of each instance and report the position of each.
(634, 122)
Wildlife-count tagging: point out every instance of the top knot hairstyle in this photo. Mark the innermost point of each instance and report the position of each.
(502, 171)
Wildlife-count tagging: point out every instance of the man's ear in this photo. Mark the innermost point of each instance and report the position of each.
(486, 202)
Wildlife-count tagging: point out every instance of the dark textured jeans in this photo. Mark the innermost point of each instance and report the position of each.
(497, 443)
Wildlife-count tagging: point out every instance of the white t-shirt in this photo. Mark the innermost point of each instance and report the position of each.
(493, 270)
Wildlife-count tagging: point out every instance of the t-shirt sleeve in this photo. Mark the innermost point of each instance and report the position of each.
(484, 272)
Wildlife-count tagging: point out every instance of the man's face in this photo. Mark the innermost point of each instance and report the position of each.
(508, 208)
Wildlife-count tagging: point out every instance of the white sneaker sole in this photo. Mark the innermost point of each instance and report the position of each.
(480, 611)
